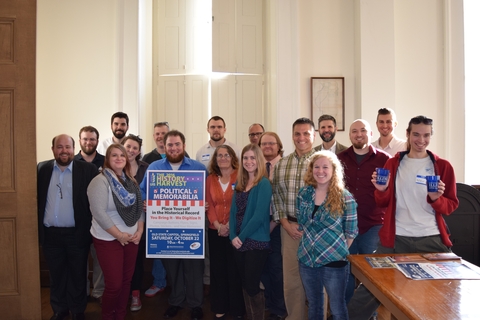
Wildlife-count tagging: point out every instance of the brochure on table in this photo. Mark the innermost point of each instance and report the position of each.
(437, 270)
(175, 220)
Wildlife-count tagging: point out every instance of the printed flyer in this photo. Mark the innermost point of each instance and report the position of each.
(175, 217)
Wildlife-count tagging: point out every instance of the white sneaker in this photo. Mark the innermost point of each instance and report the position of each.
(153, 290)
(136, 303)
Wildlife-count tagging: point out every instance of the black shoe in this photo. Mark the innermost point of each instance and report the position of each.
(274, 316)
(78, 316)
(60, 315)
(197, 313)
(171, 312)
(218, 318)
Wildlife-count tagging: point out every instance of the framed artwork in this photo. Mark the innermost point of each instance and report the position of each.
(328, 97)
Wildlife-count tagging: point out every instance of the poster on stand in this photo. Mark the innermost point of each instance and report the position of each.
(175, 219)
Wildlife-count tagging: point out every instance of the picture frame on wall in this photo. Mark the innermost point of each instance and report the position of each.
(328, 97)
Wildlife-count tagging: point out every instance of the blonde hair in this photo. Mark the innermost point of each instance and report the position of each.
(260, 172)
(335, 201)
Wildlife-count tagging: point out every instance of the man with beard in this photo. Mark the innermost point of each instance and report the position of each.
(184, 275)
(216, 128)
(327, 128)
(88, 139)
(359, 161)
(64, 221)
(388, 141)
(119, 126)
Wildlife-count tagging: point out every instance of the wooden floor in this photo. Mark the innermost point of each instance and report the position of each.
(152, 308)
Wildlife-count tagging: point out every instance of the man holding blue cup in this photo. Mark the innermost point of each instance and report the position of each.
(419, 191)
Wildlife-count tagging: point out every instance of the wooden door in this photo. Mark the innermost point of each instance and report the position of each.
(19, 270)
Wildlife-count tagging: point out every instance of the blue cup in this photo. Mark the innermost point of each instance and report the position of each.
(382, 176)
(432, 183)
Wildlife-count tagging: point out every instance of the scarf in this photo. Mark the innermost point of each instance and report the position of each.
(125, 194)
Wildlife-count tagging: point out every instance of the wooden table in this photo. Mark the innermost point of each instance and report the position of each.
(419, 299)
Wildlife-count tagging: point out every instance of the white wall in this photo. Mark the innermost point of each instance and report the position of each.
(403, 54)
(91, 64)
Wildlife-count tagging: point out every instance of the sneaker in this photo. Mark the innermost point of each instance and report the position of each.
(136, 303)
(153, 290)
(197, 313)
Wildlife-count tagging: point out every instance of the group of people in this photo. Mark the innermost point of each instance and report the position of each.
(279, 229)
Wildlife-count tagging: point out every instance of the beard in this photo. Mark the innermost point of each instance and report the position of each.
(175, 159)
(64, 163)
(216, 138)
(88, 150)
(328, 139)
(119, 134)
(359, 145)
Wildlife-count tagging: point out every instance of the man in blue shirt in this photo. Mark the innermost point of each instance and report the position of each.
(184, 275)
(64, 221)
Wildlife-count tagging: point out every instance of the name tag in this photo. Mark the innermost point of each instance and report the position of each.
(421, 180)
(206, 157)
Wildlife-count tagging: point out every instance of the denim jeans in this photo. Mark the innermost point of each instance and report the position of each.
(272, 276)
(363, 244)
(159, 273)
(335, 282)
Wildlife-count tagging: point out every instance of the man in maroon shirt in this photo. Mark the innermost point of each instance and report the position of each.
(359, 162)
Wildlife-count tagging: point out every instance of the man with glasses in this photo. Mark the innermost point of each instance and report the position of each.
(272, 276)
(88, 139)
(327, 128)
(254, 132)
(388, 141)
(414, 217)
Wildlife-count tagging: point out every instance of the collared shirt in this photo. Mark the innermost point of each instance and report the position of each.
(358, 178)
(103, 146)
(98, 161)
(204, 154)
(59, 207)
(187, 164)
(394, 146)
(325, 238)
(287, 181)
(273, 162)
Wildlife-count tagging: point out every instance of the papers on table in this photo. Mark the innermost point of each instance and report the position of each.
(418, 268)
(437, 270)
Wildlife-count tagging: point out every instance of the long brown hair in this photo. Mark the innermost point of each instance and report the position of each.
(126, 169)
(260, 172)
(335, 200)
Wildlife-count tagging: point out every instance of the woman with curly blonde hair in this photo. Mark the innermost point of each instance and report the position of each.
(327, 214)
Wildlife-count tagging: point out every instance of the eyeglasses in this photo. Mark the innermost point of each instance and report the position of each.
(421, 119)
(222, 156)
(270, 144)
(255, 134)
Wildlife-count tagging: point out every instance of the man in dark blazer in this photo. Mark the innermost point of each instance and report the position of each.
(64, 221)
(327, 128)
